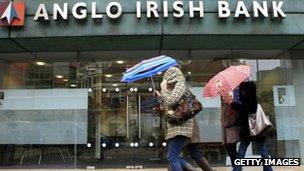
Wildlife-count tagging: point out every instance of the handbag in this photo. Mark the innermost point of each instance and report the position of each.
(259, 123)
(187, 107)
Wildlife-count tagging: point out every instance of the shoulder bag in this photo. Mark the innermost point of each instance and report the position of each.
(259, 123)
(187, 107)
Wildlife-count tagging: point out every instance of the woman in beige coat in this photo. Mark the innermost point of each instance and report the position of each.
(230, 125)
(185, 135)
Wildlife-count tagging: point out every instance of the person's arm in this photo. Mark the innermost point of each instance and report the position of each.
(172, 97)
(157, 94)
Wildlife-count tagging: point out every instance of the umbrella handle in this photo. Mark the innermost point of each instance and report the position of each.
(153, 84)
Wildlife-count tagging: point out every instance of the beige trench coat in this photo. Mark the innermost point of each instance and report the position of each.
(171, 97)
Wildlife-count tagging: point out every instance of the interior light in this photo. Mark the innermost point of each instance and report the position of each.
(89, 145)
(108, 75)
(242, 61)
(159, 73)
(73, 85)
(114, 85)
(103, 145)
(92, 68)
(151, 144)
(40, 63)
(117, 89)
(65, 80)
(189, 72)
(104, 90)
(59, 76)
(116, 145)
(150, 89)
(135, 89)
(120, 62)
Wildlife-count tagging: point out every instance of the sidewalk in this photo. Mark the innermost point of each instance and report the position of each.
(301, 168)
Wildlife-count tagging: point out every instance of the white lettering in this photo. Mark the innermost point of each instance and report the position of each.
(138, 9)
(79, 10)
(258, 162)
(223, 9)
(178, 9)
(62, 12)
(192, 9)
(248, 162)
(237, 162)
(165, 9)
(152, 8)
(241, 10)
(297, 162)
(41, 13)
(119, 10)
(271, 161)
(277, 9)
(94, 11)
(257, 8)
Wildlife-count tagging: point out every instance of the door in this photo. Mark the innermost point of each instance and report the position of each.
(123, 129)
(119, 129)
(151, 149)
(131, 134)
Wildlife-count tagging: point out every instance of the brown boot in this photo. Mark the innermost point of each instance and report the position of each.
(189, 167)
(204, 164)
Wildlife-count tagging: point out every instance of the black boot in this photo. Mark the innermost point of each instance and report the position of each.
(204, 164)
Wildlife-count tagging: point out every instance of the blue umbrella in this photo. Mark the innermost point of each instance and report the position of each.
(148, 68)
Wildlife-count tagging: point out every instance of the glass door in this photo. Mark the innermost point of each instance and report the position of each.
(130, 132)
(151, 149)
(118, 129)
(123, 129)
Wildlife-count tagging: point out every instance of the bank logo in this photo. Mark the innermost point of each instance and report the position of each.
(12, 13)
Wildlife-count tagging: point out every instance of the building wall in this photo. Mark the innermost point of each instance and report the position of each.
(128, 32)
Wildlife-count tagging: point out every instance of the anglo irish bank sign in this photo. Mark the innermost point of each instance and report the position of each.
(12, 13)
(151, 9)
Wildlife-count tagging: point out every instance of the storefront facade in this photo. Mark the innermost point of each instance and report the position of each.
(62, 102)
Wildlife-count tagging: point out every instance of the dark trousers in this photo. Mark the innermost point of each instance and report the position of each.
(232, 152)
(242, 152)
(176, 145)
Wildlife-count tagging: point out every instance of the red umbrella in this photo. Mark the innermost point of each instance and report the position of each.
(226, 80)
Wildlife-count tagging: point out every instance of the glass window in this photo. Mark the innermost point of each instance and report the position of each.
(71, 109)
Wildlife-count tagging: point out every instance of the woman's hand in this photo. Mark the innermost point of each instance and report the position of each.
(156, 93)
(163, 85)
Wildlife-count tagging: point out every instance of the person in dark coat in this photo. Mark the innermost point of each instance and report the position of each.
(230, 125)
(249, 103)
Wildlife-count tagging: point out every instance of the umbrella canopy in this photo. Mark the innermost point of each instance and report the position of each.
(148, 68)
(226, 80)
